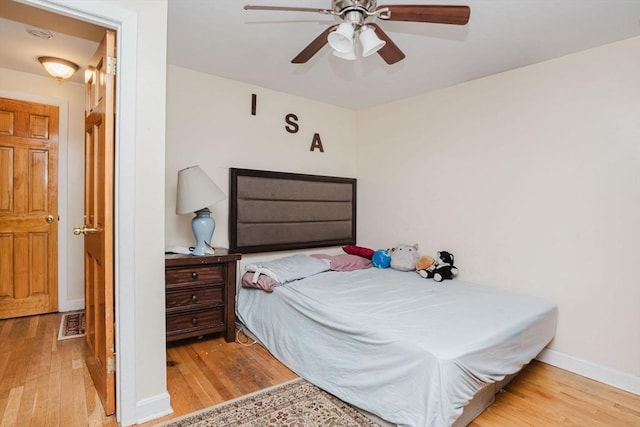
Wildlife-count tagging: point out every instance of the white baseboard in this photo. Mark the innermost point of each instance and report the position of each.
(71, 305)
(617, 379)
(153, 407)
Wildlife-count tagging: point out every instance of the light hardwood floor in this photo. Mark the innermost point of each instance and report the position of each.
(44, 382)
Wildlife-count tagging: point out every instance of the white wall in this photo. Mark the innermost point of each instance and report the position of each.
(209, 123)
(149, 171)
(532, 179)
(69, 97)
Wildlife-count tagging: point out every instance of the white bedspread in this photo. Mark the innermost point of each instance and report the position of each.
(408, 349)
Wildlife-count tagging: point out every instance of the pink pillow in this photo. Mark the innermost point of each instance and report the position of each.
(359, 250)
(264, 282)
(345, 262)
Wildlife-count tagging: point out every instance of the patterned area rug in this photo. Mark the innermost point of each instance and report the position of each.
(71, 325)
(295, 403)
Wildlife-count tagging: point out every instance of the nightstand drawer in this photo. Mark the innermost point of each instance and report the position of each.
(209, 273)
(195, 320)
(209, 295)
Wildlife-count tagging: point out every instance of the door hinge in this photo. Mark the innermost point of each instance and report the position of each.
(112, 65)
(111, 364)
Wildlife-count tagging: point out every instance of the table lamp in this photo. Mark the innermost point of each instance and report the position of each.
(196, 192)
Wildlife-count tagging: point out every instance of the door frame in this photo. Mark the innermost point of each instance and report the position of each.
(124, 22)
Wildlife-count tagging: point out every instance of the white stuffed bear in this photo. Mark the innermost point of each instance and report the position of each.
(404, 257)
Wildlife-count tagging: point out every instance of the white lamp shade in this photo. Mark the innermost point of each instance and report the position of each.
(370, 41)
(341, 40)
(196, 191)
(351, 55)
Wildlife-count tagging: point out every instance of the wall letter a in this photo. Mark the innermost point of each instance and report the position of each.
(316, 143)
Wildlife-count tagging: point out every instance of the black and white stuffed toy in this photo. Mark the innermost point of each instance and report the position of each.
(443, 269)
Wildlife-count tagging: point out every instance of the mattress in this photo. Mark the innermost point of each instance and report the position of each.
(409, 350)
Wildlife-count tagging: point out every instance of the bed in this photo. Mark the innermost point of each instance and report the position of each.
(410, 351)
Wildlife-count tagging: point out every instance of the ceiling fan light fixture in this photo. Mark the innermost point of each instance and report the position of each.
(354, 13)
(341, 40)
(351, 55)
(370, 41)
(58, 68)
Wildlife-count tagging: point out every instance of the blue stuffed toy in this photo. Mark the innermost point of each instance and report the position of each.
(381, 258)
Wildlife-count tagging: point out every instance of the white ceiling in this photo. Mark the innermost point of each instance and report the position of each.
(72, 40)
(219, 37)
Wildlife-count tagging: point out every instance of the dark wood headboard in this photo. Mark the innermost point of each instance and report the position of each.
(277, 211)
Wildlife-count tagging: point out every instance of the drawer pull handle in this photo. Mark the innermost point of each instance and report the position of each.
(194, 321)
(194, 298)
(194, 275)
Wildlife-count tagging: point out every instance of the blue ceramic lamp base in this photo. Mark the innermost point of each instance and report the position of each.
(203, 226)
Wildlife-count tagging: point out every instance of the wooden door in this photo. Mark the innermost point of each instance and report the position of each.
(98, 221)
(28, 208)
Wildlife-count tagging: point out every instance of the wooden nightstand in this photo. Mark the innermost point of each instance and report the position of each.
(200, 293)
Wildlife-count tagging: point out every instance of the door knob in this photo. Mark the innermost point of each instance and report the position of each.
(85, 230)
(49, 219)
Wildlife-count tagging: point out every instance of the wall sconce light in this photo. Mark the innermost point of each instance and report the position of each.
(58, 68)
(196, 192)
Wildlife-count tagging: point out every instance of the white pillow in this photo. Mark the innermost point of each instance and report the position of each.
(289, 268)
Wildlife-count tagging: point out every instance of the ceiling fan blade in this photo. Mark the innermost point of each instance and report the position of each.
(313, 47)
(456, 15)
(390, 52)
(287, 8)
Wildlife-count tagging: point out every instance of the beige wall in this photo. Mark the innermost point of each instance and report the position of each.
(209, 123)
(149, 172)
(532, 179)
(70, 99)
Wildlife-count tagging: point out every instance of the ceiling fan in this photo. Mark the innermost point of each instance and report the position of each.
(355, 13)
